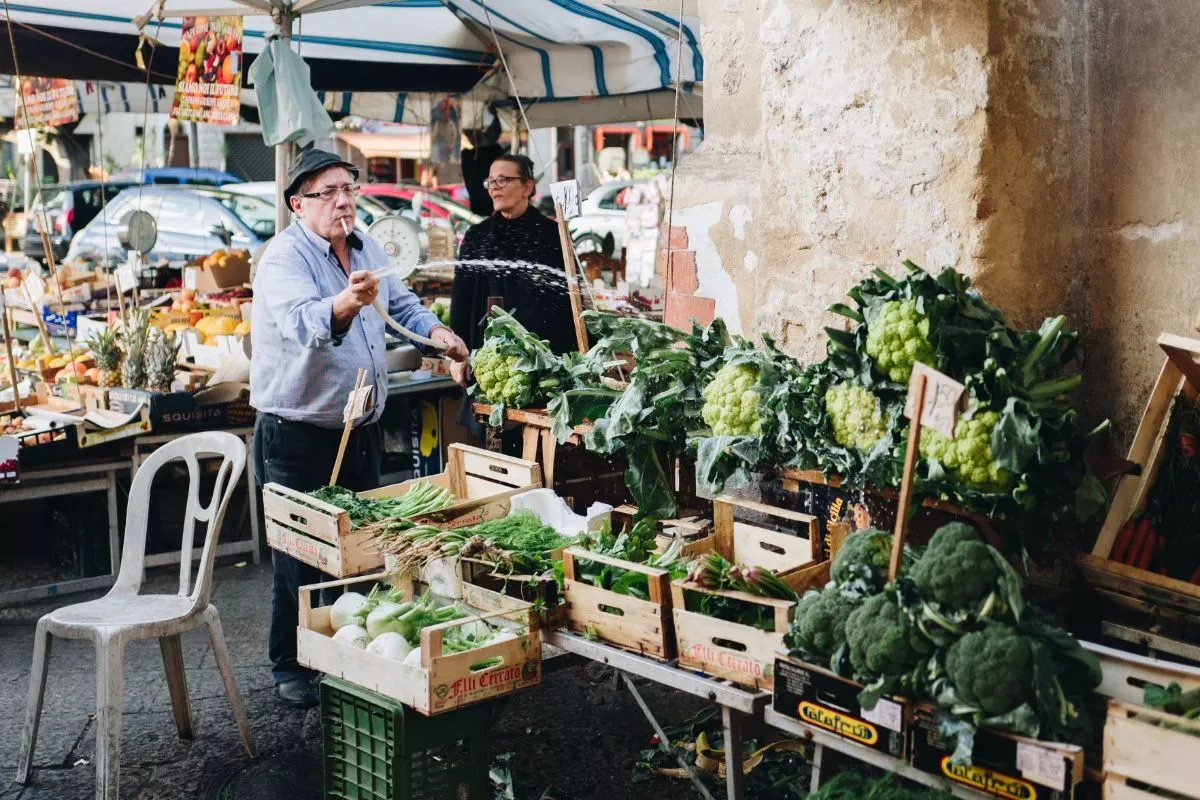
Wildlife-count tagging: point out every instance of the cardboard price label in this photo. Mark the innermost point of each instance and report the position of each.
(361, 402)
(126, 280)
(566, 194)
(944, 399)
(36, 288)
(189, 278)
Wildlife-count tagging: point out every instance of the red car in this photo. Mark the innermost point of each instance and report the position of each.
(434, 206)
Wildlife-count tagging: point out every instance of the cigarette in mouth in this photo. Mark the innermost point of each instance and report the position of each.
(345, 227)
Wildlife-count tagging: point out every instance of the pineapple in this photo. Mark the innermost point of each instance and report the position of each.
(161, 354)
(134, 340)
(108, 357)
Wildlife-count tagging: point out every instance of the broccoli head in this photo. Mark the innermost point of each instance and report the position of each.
(819, 625)
(899, 337)
(992, 669)
(883, 641)
(957, 570)
(865, 555)
(856, 415)
(731, 401)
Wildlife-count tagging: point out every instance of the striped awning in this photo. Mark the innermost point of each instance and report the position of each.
(555, 49)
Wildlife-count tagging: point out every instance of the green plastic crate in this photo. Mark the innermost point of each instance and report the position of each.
(378, 749)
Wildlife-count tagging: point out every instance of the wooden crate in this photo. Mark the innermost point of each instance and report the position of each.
(1132, 588)
(1126, 675)
(1138, 752)
(730, 650)
(319, 533)
(442, 682)
(642, 626)
(540, 590)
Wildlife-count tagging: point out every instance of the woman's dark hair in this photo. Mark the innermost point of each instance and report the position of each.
(524, 168)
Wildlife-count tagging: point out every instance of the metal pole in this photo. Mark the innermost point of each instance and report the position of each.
(283, 152)
(193, 145)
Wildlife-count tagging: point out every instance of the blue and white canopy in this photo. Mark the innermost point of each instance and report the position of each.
(376, 53)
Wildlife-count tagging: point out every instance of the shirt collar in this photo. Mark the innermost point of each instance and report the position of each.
(324, 245)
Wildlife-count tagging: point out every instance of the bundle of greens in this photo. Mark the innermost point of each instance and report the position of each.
(514, 368)
(857, 786)
(422, 499)
(1017, 450)
(953, 628)
(1174, 700)
(636, 545)
(650, 420)
(715, 572)
(517, 544)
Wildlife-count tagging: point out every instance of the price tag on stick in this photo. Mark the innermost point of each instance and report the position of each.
(934, 401)
(357, 406)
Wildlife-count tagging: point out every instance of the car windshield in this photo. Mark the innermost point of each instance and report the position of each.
(49, 197)
(459, 212)
(369, 209)
(258, 214)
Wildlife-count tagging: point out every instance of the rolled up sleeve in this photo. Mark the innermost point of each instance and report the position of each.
(406, 308)
(293, 299)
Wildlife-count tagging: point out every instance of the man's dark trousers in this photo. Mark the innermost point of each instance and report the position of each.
(300, 456)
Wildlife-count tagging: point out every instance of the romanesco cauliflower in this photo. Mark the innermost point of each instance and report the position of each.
(968, 456)
(499, 382)
(731, 402)
(856, 415)
(898, 338)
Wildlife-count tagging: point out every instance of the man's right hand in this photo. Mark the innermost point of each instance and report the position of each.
(361, 291)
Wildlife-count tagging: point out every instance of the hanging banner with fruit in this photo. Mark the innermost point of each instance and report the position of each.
(209, 78)
(46, 102)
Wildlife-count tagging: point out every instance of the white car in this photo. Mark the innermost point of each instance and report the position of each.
(602, 213)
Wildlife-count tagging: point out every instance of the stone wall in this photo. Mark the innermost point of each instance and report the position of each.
(1040, 146)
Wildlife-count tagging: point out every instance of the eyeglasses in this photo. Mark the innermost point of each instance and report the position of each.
(351, 190)
(500, 181)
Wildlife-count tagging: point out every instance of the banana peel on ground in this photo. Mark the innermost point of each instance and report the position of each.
(712, 760)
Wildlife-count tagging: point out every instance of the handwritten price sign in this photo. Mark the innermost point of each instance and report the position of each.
(943, 399)
(361, 403)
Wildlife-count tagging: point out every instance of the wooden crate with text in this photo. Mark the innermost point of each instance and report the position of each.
(739, 652)
(1148, 754)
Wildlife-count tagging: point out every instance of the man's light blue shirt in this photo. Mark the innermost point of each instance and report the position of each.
(300, 370)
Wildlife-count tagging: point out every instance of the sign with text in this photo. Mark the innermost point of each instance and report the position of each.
(944, 398)
(46, 102)
(566, 194)
(209, 77)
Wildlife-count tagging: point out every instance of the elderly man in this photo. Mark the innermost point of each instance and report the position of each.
(309, 341)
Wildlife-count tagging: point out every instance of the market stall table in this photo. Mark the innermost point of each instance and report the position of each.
(736, 702)
(141, 447)
(60, 482)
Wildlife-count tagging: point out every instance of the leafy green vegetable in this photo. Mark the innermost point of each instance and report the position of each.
(857, 786)
(883, 641)
(862, 562)
(818, 629)
(422, 499)
(897, 338)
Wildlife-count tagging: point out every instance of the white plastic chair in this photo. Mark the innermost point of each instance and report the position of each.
(124, 615)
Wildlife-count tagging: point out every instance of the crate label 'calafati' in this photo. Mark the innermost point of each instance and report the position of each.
(988, 781)
(841, 724)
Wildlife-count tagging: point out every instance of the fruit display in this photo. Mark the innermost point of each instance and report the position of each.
(135, 338)
(161, 354)
(106, 350)
(222, 259)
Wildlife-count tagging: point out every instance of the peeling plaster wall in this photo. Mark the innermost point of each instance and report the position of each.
(1044, 147)
(1145, 207)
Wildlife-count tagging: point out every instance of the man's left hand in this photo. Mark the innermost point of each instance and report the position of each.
(456, 348)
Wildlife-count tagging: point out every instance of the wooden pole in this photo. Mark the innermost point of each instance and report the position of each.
(12, 362)
(337, 465)
(906, 483)
(564, 235)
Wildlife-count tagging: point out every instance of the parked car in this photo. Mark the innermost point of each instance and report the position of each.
(174, 175)
(66, 208)
(366, 211)
(434, 206)
(602, 213)
(192, 221)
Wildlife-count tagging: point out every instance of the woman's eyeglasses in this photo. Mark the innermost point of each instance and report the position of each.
(500, 181)
(327, 195)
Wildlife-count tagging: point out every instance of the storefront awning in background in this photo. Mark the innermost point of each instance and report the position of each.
(413, 145)
(557, 50)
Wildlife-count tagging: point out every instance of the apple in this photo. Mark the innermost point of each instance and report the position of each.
(187, 295)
